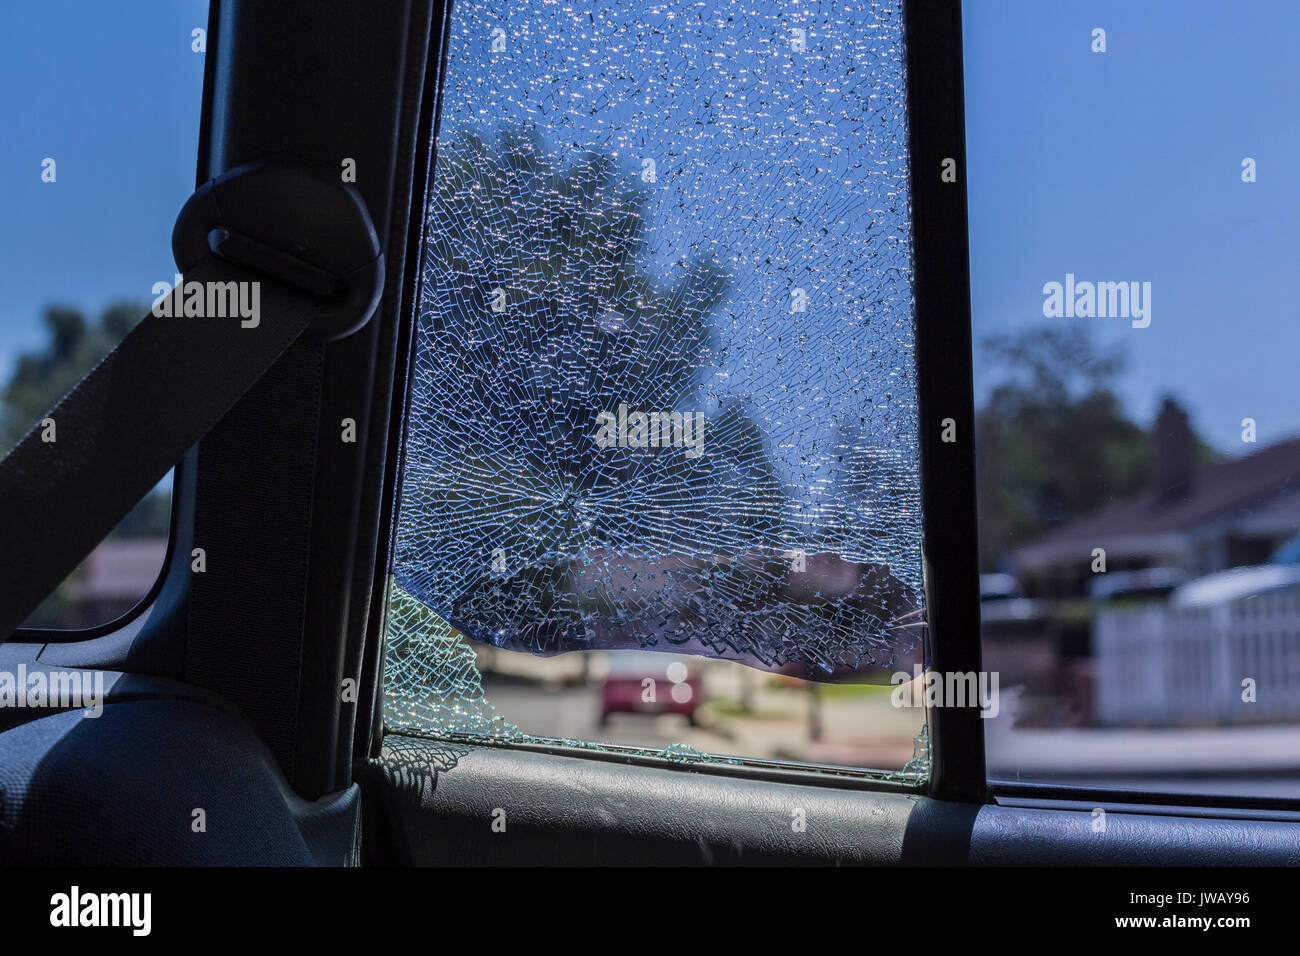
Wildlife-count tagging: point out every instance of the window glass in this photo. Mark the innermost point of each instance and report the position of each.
(1133, 239)
(660, 487)
(101, 108)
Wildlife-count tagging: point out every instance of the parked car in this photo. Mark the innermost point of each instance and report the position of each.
(1280, 571)
(1143, 582)
(646, 682)
(999, 587)
(1224, 586)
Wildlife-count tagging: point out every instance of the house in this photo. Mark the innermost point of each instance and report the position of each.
(1196, 520)
(113, 579)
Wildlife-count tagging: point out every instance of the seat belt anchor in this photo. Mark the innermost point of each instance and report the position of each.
(310, 233)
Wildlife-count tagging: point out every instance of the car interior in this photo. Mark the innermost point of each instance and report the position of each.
(420, 569)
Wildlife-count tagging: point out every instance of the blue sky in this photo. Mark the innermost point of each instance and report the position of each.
(112, 93)
(1126, 165)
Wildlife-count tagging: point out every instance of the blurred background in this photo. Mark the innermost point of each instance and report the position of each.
(1173, 449)
(714, 706)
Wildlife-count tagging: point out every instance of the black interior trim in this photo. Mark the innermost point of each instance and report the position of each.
(427, 48)
(945, 384)
(280, 68)
(1239, 807)
(774, 771)
(429, 802)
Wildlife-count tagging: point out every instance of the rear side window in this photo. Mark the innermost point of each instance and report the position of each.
(101, 108)
(660, 486)
(1133, 245)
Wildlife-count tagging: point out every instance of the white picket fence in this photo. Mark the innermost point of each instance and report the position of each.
(1164, 665)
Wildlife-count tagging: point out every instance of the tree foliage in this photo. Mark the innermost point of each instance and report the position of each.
(1053, 441)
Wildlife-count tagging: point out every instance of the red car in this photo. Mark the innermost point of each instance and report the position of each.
(645, 682)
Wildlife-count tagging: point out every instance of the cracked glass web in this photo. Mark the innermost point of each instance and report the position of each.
(664, 392)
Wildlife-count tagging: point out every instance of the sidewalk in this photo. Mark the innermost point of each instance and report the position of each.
(1085, 750)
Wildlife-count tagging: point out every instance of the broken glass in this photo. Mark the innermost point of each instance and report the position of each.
(664, 395)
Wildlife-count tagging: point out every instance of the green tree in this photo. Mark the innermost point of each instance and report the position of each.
(544, 309)
(42, 377)
(1053, 441)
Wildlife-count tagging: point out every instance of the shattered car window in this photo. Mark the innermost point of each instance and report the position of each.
(664, 398)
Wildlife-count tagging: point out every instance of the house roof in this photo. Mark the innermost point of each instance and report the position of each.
(1264, 485)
